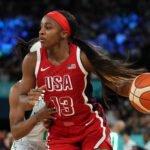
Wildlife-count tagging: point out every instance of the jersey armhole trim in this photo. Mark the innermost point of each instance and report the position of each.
(37, 62)
(79, 61)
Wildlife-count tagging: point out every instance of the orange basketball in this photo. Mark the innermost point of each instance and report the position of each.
(139, 94)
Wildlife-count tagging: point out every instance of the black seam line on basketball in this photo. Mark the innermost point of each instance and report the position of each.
(140, 97)
(138, 84)
(139, 101)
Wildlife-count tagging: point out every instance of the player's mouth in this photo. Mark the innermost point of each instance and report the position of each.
(41, 39)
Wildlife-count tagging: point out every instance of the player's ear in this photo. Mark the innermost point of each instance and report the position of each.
(64, 34)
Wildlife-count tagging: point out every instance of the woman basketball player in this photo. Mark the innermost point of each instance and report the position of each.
(62, 65)
(26, 126)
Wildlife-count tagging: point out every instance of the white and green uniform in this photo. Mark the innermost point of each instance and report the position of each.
(36, 139)
(114, 140)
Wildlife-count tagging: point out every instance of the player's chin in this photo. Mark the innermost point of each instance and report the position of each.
(43, 45)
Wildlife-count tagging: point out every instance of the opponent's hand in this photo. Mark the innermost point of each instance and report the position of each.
(33, 96)
(46, 113)
(47, 123)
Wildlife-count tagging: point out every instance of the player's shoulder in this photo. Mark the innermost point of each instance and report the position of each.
(16, 86)
(31, 56)
(30, 60)
(14, 93)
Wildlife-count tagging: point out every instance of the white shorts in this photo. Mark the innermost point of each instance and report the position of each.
(23, 144)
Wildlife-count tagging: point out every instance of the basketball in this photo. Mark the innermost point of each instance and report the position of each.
(139, 94)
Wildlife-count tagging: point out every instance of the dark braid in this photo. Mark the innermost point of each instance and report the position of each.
(23, 47)
(109, 71)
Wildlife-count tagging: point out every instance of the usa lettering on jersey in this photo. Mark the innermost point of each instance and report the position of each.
(58, 83)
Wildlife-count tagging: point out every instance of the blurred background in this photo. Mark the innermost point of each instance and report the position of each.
(121, 27)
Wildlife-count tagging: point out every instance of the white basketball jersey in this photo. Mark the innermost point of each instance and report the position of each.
(38, 132)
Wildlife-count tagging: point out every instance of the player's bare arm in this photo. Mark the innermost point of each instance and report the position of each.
(28, 94)
(122, 88)
(28, 80)
(19, 126)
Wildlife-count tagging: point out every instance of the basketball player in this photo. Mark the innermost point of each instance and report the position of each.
(62, 64)
(27, 127)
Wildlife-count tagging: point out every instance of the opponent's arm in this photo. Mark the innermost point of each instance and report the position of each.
(19, 126)
(122, 88)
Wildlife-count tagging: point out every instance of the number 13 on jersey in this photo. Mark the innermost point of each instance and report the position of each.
(64, 105)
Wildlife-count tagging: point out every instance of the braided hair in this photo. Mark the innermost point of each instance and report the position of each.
(23, 47)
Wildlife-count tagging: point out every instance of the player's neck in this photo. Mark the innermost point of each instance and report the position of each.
(59, 53)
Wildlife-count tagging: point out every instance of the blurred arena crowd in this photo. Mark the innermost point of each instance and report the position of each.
(121, 27)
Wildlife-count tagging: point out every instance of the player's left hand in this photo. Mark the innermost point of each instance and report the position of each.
(33, 96)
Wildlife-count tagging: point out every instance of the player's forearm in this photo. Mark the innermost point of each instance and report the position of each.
(25, 102)
(22, 128)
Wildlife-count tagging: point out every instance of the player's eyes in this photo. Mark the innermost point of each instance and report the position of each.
(47, 27)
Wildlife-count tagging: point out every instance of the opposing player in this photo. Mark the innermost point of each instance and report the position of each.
(27, 126)
(62, 64)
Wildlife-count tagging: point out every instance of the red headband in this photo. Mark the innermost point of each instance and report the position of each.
(61, 20)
